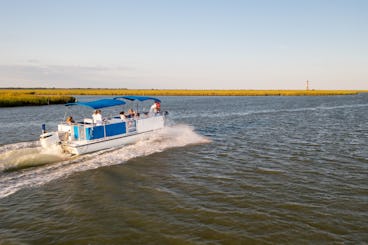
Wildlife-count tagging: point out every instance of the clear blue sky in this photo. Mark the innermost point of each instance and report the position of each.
(187, 44)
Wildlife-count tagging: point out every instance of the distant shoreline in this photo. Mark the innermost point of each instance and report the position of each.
(178, 92)
(42, 96)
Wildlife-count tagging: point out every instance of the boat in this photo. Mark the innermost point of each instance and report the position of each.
(90, 135)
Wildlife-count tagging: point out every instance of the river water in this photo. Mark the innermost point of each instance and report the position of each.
(228, 170)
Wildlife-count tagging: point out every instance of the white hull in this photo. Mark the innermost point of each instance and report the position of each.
(84, 147)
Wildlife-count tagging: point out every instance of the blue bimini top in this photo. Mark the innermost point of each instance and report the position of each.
(140, 98)
(97, 104)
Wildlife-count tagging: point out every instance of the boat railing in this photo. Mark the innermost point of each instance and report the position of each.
(87, 130)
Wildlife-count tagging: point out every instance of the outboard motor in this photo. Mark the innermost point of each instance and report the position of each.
(48, 139)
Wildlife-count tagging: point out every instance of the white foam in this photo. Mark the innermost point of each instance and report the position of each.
(175, 136)
(16, 146)
(28, 154)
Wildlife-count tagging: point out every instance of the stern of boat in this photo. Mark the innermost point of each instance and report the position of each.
(49, 139)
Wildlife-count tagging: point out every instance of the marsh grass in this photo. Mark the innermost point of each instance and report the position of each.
(23, 97)
(11, 98)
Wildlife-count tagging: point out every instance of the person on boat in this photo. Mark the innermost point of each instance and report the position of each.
(158, 107)
(69, 120)
(131, 113)
(122, 116)
(155, 108)
(97, 117)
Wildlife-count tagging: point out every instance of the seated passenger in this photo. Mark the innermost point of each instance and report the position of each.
(131, 113)
(69, 120)
(122, 115)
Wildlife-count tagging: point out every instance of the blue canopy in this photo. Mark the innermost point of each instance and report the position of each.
(97, 104)
(140, 98)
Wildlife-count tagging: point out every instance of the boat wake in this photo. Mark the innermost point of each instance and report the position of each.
(16, 159)
(28, 154)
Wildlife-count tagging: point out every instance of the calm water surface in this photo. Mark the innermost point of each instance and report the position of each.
(230, 170)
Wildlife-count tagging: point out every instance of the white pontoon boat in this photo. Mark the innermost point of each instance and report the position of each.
(88, 136)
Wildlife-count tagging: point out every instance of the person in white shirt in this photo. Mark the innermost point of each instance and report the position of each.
(122, 116)
(155, 108)
(97, 117)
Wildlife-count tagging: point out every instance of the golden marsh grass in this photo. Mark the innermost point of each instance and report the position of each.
(10, 98)
(21, 97)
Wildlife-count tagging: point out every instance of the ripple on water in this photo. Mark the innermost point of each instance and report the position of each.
(271, 170)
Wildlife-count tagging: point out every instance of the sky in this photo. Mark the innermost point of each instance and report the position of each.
(184, 44)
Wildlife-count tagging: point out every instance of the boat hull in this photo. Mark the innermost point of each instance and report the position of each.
(80, 148)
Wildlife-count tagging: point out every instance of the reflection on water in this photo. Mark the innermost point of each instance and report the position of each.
(247, 170)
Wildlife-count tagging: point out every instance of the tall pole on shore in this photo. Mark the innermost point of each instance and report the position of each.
(307, 85)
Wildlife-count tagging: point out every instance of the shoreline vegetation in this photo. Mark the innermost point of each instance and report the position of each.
(44, 96)
(18, 97)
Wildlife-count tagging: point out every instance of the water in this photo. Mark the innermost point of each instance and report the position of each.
(230, 170)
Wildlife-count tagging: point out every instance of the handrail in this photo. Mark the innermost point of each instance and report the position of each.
(87, 131)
